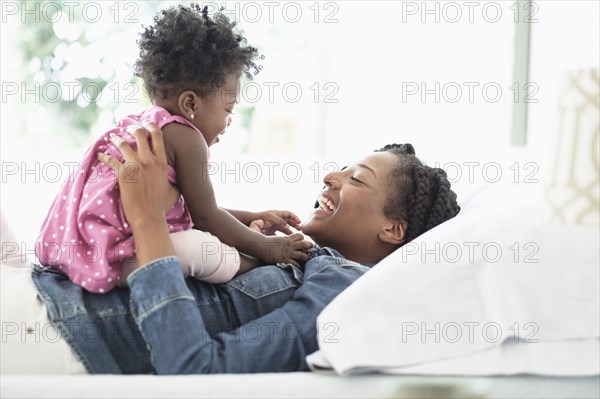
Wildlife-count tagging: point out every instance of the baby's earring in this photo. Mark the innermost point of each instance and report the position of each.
(192, 116)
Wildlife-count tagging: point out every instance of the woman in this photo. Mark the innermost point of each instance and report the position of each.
(263, 320)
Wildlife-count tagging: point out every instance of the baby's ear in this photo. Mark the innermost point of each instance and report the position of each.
(189, 103)
(393, 232)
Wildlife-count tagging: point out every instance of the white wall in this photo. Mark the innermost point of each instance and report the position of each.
(566, 38)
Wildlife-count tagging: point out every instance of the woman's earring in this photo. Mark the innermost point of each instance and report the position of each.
(192, 116)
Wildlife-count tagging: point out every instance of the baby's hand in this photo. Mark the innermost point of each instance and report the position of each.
(287, 249)
(273, 221)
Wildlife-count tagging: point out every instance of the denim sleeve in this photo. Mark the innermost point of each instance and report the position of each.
(168, 318)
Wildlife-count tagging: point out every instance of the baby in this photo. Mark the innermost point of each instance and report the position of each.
(191, 65)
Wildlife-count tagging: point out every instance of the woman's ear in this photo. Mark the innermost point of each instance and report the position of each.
(393, 232)
(189, 104)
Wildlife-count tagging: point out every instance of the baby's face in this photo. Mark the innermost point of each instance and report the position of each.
(217, 110)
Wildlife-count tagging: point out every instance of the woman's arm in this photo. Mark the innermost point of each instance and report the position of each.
(167, 314)
(173, 327)
(145, 192)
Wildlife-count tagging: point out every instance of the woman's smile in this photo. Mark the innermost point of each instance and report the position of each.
(326, 203)
(326, 206)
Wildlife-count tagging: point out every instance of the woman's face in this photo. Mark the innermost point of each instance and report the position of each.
(350, 212)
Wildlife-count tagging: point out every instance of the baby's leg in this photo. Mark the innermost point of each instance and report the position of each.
(201, 255)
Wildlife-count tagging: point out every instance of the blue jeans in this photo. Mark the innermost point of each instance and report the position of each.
(260, 321)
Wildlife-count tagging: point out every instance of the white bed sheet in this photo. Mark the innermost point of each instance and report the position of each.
(296, 385)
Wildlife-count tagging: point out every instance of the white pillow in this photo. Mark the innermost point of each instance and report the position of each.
(491, 275)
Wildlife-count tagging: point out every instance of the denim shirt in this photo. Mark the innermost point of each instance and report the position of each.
(260, 321)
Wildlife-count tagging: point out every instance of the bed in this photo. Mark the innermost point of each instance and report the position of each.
(356, 365)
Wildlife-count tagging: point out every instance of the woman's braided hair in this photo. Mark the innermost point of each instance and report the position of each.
(419, 194)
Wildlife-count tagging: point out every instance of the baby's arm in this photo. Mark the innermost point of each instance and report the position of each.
(245, 217)
(191, 162)
(273, 220)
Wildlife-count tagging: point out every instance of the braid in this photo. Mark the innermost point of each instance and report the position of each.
(445, 207)
(418, 202)
(420, 195)
(407, 148)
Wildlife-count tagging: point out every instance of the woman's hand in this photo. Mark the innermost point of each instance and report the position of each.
(146, 194)
(143, 181)
(268, 222)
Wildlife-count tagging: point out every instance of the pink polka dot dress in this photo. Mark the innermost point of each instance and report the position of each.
(85, 234)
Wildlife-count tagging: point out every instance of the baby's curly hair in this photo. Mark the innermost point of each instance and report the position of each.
(187, 50)
(419, 194)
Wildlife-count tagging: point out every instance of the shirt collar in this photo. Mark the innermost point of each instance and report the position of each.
(327, 251)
